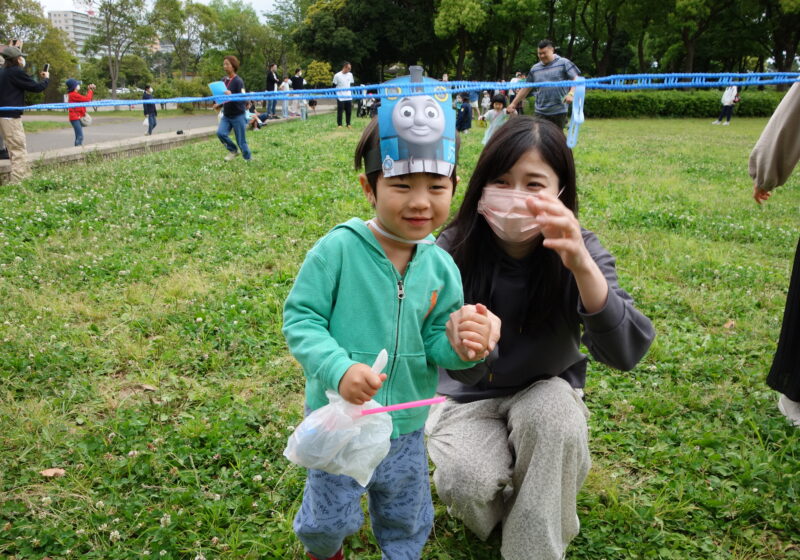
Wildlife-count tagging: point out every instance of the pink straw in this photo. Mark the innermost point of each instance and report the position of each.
(401, 406)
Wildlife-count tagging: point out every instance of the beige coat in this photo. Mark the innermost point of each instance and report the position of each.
(778, 149)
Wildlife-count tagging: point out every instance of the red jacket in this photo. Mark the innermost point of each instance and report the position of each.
(76, 113)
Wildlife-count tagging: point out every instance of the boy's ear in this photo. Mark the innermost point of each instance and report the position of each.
(365, 186)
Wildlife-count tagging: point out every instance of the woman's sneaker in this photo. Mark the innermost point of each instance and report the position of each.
(790, 409)
(231, 156)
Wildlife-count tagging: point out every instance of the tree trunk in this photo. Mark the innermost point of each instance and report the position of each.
(640, 52)
(501, 63)
(688, 43)
(462, 53)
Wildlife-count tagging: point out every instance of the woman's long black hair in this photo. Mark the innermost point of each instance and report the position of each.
(472, 243)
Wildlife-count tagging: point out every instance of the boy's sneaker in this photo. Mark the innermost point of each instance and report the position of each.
(790, 409)
(338, 556)
(231, 156)
(726, 123)
(716, 122)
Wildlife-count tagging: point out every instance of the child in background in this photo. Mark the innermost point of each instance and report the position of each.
(464, 115)
(486, 102)
(379, 284)
(496, 116)
(285, 87)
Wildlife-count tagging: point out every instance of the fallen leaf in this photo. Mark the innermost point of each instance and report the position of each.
(730, 324)
(50, 473)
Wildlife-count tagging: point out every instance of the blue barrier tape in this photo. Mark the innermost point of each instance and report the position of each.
(619, 82)
(577, 112)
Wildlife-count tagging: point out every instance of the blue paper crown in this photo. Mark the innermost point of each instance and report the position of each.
(417, 132)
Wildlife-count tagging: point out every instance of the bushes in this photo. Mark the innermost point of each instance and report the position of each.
(605, 104)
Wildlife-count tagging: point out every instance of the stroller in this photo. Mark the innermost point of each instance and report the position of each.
(364, 108)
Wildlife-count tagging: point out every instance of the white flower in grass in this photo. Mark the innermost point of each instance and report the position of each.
(199, 557)
(114, 536)
(257, 478)
(46, 500)
(166, 520)
(162, 552)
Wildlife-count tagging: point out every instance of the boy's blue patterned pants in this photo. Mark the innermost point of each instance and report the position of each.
(400, 505)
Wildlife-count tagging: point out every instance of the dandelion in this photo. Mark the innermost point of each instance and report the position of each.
(166, 520)
(114, 536)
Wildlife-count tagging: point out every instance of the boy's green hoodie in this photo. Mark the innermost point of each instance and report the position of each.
(349, 302)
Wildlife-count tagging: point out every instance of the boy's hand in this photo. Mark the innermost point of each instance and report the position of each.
(473, 331)
(359, 383)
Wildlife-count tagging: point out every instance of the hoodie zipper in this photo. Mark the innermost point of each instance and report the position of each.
(401, 295)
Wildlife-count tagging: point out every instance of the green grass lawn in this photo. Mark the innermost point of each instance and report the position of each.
(141, 352)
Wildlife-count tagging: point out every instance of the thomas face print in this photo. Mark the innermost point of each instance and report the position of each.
(417, 132)
(419, 121)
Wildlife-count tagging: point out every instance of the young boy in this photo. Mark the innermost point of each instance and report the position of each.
(464, 118)
(380, 284)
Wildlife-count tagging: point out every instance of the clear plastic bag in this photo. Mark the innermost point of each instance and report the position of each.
(338, 439)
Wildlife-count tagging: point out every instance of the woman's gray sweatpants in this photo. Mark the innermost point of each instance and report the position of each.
(519, 460)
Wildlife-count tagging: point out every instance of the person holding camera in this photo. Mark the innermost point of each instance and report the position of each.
(77, 115)
(14, 82)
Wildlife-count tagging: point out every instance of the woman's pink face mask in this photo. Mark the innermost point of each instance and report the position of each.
(508, 215)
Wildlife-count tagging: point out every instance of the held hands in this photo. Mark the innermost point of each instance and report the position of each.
(473, 331)
(359, 383)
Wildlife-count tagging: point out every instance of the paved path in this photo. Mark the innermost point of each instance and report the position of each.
(108, 128)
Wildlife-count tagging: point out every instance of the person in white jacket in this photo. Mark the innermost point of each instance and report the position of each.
(729, 98)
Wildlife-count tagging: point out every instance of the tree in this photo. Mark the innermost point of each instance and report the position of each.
(459, 19)
(319, 74)
(692, 19)
(63, 65)
(187, 26)
(238, 31)
(122, 28)
(22, 19)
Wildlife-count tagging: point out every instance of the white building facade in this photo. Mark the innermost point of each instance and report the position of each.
(77, 25)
